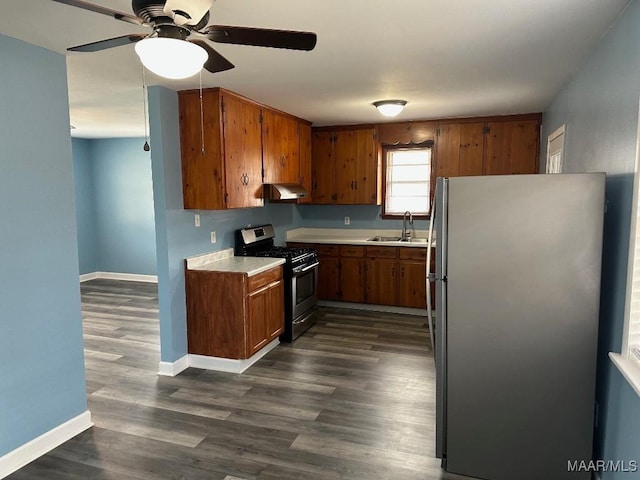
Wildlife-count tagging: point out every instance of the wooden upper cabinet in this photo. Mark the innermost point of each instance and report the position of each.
(304, 131)
(242, 135)
(322, 167)
(403, 133)
(346, 167)
(512, 147)
(281, 148)
(222, 152)
(459, 149)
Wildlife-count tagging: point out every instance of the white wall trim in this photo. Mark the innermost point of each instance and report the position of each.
(375, 308)
(131, 277)
(228, 365)
(171, 369)
(21, 456)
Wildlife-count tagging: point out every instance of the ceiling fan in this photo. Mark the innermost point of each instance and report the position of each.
(179, 34)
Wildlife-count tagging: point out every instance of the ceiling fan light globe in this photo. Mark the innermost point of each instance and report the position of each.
(170, 57)
(390, 108)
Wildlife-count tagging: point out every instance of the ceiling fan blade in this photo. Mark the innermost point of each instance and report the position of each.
(215, 62)
(108, 43)
(261, 37)
(125, 17)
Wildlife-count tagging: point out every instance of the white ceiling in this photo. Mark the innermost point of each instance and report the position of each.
(447, 58)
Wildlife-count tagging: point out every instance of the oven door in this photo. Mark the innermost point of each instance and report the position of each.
(304, 286)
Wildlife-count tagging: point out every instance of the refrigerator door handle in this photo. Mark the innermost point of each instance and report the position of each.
(430, 277)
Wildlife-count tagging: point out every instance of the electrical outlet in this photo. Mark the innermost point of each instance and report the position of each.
(213, 237)
(196, 219)
(347, 220)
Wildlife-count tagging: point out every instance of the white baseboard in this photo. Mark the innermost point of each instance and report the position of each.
(171, 369)
(228, 365)
(375, 308)
(46, 442)
(130, 277)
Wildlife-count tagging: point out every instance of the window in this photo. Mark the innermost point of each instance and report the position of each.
(407, 181)
(555, 147)
(628, 360)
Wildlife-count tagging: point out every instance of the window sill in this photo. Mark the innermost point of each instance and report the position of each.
(630, 370)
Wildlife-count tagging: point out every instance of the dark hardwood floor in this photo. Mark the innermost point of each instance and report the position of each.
(353, 398)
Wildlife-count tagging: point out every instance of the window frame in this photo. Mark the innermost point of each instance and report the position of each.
(386, 148)
(630, 368)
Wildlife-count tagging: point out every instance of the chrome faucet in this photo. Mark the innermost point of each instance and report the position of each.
(406, 233)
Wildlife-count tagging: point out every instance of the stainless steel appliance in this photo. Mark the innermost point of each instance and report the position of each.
(300, 276)
(517, 286)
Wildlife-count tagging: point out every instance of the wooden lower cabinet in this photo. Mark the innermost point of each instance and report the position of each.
(381, 281)
(265, 317)
(232, 315)
(375, 275)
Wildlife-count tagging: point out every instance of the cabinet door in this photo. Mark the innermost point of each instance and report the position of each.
(459, 149)
(328, 278)
(367, 180)
(346, 170)
(512, 147)
(280, 148)
(202, 175)
(275, 310)
(352, 279)
(305, 161)
(412, 291)
(381, 281)
(242, 136)
(322, 168)
(257, 328)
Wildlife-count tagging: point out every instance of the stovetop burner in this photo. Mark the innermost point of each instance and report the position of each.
(290, 253)
(258, 242)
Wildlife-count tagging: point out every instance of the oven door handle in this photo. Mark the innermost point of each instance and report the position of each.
(309, 267)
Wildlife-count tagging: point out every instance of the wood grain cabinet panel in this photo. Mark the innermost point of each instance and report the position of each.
(412, 287)
(232, 315)
(265, 316)
(512, 147)
(352, 280)
(459, 149)
(322, 168)
(280, 148)
(381, 279)
(306, 174)
(221, 151)
(346, 167)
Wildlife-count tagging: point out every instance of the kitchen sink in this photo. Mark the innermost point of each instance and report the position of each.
(414, 240)
(384, 239)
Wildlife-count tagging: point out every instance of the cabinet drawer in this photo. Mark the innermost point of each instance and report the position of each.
(264, 278)
(382, 252)
(410, 253)
(327, 250)
(351, 251)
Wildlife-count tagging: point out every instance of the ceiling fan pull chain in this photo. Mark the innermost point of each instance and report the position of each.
(146, 147)
(201, 115)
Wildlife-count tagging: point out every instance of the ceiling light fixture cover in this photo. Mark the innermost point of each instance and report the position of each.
(390, 108)
(170, 57)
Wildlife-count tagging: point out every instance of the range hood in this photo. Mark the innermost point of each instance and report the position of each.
(284, 191)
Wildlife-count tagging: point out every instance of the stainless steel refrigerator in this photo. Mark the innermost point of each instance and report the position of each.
(517, 277)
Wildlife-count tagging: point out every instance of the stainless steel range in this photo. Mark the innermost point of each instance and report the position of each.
(300, 276)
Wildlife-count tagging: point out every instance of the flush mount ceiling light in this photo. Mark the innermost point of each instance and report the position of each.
(390, 108)
(171, 57)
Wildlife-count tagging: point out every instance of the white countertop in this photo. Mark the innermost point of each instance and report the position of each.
(355, 236)
(224, 261)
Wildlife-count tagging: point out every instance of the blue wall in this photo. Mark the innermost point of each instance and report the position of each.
(123, 192)
(361, 216)
(600, 109)
(176, 235)
(42, 381)
(85, 205)
(114, 203)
